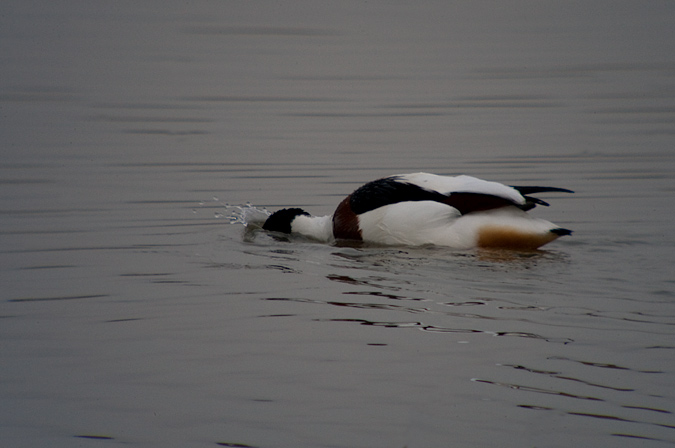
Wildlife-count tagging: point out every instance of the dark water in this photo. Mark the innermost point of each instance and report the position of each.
(132, 313)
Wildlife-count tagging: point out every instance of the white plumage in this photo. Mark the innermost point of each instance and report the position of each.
(426, 209)
(462, 183)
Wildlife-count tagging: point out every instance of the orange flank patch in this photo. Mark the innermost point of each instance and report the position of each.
(511, 238)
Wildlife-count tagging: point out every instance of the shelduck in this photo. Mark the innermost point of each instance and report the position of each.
(461, 212)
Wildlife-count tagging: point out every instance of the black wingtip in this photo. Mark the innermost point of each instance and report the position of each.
(561, 232)
(281, 220)
(531, 190)
(531, 202)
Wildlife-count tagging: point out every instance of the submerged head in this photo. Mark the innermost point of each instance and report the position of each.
(282, 220)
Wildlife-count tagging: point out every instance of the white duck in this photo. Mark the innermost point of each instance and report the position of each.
(417, 209)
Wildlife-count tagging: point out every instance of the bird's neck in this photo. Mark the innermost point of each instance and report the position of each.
(316, 227)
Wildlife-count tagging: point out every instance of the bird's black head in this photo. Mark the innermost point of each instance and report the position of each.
(280, 221)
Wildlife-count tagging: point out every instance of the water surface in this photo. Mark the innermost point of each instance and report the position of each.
(133, 313)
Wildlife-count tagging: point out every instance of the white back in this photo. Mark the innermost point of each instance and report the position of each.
(462, 184)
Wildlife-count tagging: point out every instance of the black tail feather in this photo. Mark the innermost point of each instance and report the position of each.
(533, 202)
(530, 190)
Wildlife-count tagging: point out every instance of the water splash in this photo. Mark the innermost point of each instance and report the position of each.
(247, 215)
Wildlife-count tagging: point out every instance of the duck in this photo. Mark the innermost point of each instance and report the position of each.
(423, 209)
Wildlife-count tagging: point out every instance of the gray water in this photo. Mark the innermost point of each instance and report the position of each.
(134, 314)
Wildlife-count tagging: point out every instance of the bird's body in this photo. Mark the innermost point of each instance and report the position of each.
(417, 209)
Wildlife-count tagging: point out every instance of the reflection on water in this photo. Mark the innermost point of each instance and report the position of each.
(133, 312)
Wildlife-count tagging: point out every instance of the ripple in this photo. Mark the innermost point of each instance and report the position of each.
(553, 374)
(634, 436)
(536, 389)
(93, 437)
(234, 445)
(355, 305)
(56, 299)
(438, 329)
(643, 408)
(603, 365)
(379, 294)
(618, 419)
